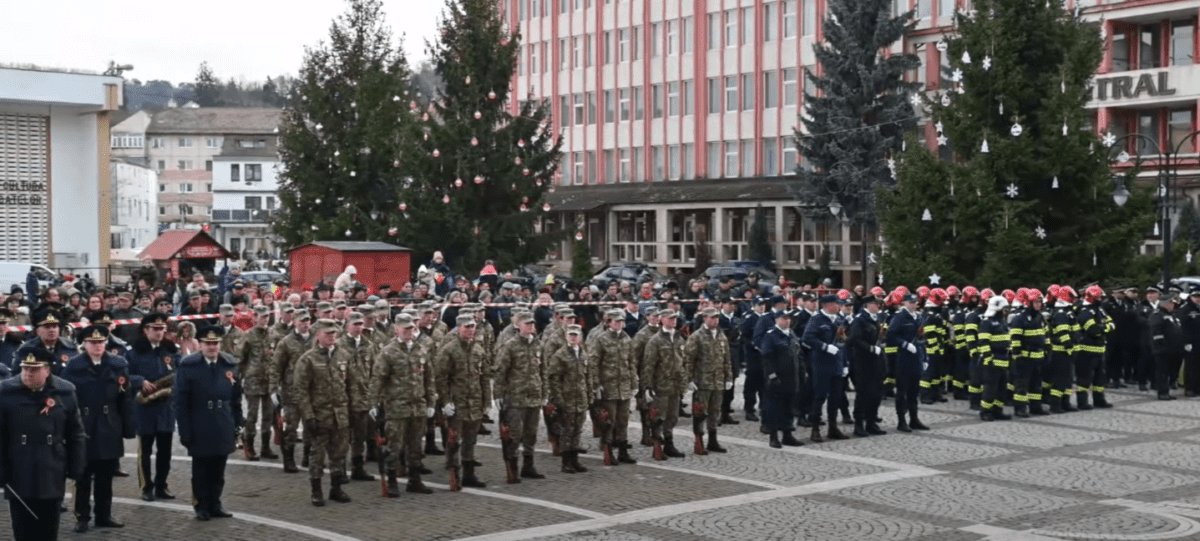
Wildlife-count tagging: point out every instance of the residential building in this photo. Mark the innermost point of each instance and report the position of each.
(55, 183)
(184, 199)
(134, 205)
(678, 116)
(129, 135)
(245, 182)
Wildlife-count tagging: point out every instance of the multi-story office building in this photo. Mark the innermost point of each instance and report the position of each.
(245, 186)
(679, 116)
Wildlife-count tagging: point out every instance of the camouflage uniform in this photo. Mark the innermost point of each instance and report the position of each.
(322, 379)
(254, 364)
(569, 385)
(402, 384)
(706, 359)
(519, 378)
(463, 380)
(431, 339)
(614, 372)
(663, 373)
(287, 352)
(362, 357)
(639, 355)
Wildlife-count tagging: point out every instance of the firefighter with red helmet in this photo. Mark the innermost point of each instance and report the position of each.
(935, 333)
(1029, 356)
(1064, 329)
(1095, 326)
(961, 358)
(971, 342)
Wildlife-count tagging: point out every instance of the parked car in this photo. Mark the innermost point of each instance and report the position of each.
(634, 273)
(14, 272)
(714, 274)
(262, 277)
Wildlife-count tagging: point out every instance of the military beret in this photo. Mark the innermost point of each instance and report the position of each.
(325, 325)
(574, 329)
(100, 317)
(465, 319)
(355, 317)
(303, 315)
(33, 356)
(226, 309)
(95, 333)
(404, 320)
(324, 306)
(212, 333)
(260, 311)
(287, 308)
(667, 313)
(154, 320)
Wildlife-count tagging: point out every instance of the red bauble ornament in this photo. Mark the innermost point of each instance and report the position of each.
(446, 199)
(393, 232)
(478, 179)
(403, 207)
(546, 207)
(458, 183)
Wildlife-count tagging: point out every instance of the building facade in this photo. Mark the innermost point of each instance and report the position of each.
(55, 182)
(184, 199)
(679, 116)
(134, 205)
(245, 182)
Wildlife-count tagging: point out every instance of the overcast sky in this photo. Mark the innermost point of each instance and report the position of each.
(248, 39)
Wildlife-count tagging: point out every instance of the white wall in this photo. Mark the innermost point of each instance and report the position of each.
(135, 204)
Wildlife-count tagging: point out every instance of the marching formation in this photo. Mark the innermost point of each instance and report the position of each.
(383, 381)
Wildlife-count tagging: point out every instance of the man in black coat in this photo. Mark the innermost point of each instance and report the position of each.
(1166, 344)
(208, 402)
(105, 398)
(48, 327)
(152, 359)
(42, 444)
(783, 365)
(865, 341)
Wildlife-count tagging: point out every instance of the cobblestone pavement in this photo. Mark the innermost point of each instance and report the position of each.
(1132, 472)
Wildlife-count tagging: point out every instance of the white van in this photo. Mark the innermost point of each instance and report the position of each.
(13, 272)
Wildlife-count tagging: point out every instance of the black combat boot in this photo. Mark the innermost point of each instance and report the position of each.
(999, 415)
(669, 449)
(789, 440)
(727, 419)
(1082, 398)
(469, 479)
(775, 440)
(393, 485)
(1067, 405)
(874, 430)
(623, 453)
(1036, 409)
(1021, 410)
(860, 428)
(575, 462)
(318, 495)
(289, 460)
(415, 485)
(713, 445)
(335, 489)
(1101, 403)
(902, 424)
(266, 448)
(528, 472)
(431, 447)
(566, 463)
(815, 436)
(359, 473)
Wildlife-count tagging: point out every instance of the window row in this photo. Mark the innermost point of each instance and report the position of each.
(128, 140)
(729, 159)
(183, 142)
(1164, 130)
(253, 172)
(182, 187)
(1157, 45)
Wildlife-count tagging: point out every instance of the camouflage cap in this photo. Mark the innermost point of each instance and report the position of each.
(354, 317)
(709, 312)
(522, 317)
(303, 315)
(287, 308)
(382, 304)
(226, 310)
(574, 329)
(565, 311)
(404, 320)
(614, 314)
(464, 320)
(651, 311)
(323, 307)
(339, 304)
(326, 325)
(261, 311)
(667, 313)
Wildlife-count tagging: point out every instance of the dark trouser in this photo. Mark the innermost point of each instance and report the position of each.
(975, 376)
(995, 381)
(360, 431)
(1090, 372)
(867, 374)
(1191, 371)
(1062, 374)
(162, 463)
(803, 403)
(777, 409)
(1145, 364)
(931, 377)
(827, 384)
(1163, 375)
(735, 365)
(1027, 380)
(753, 386)
(26, 527)
(461, 437)
(908, 384)
(1115, 358)
(100, 474)
(208, 481)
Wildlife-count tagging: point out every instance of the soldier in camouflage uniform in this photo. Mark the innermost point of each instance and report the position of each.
(430, 337)
(663, 382)
(706, 358)
(282, 327)
(287, 352)
(402, 387)
(323, 376)
(486, 336)
(570, 389)
(254, 364)
(463, 384)
(233, 336)
(359, 347)
(614, 374)
(519, 378)
(554, 337)
(644, 335)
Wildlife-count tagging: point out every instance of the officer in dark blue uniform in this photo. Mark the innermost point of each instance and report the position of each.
(828, 370)
(864, 340)
(153, 359)
(116, 346)
(910, 360)
(9, 344)
(804, 398)
(730, 323)
(105, 398)
(753, 386)
(783, 368)
(208, 400)
(48, 326)
(42, 444)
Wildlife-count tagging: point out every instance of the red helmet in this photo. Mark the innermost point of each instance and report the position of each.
(902, 289)
(986, 294)
(938, 296)
(1008, 295)
(878, 292)
(1033, 295)
(952, 291)
(923, 291)
(1067, 294)
(843, 294)
(894, 298)
(1093, 294)
(1052, 291)
(970, 293)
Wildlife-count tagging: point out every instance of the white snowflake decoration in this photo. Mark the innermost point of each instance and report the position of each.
(1040, 232)
(987, 63)
(1110, 139)
(916, 100)
(1012, 191)
(873, 260)
(956, 75)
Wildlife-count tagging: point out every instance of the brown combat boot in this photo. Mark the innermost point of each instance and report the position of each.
(510, 469)
(266, 448)
(699, 447)
(415, 485)
(335, 489)
(318, 495)
(289, 460)
(248, 448)
(393, 485)
(469, 479)
(835, 433)
(713, 445)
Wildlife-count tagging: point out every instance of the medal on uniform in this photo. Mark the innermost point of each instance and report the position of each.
(167, 361)
(49, 405)
(229, 375)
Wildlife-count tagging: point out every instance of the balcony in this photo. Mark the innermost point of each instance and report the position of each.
(243, 216)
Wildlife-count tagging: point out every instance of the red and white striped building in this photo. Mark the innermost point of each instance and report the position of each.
(678, 116)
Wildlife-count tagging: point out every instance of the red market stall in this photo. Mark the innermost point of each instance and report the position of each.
(180, 252)
(377, 262)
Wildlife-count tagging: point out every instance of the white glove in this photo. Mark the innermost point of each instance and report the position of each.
(448, 410)
(910, 347)
(924, 366)
(1187, 348)
(650, 396)
(692, 386)
(429, 412)
(728, 385)
(876, 350)
(845, 371)
(275, 399)
(831, 349)
(374, 413)
(599, 392)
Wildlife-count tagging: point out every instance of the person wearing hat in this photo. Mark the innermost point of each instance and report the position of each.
(125, 310)
(568, 380)
(283, 323)
(116, 345)
(752, 388)
(553, 338)
(1189, 318)
(9, 344)
(614, 371)
(463, 381)
(323, 377)
(902, 333)
(430, 333)
(153, 360)
(37, 408)
(663, 380)
(254, 362)
(864, 341)
(48, 326)
(208, 398)
(731, 324)
(1118, 347)
(105, 396)
(1095, 328)
(402, 397)
(828, 367)
(783, 362)
(359, 345)
(1166, 344)
(1144, 367)
(520, 386)
(994, 346)
(706, 363)
(283, 395)
(643, 336)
